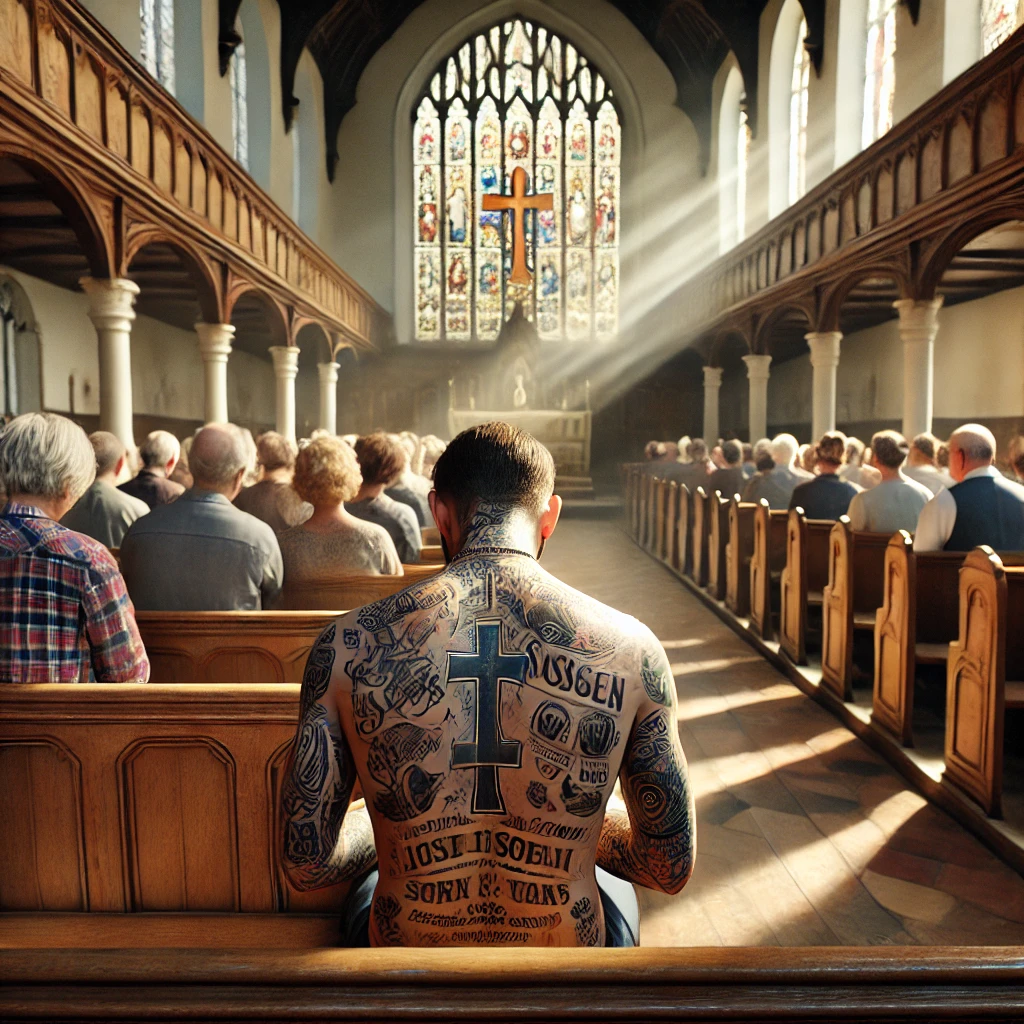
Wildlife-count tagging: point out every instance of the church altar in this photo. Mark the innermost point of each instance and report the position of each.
(565, 433)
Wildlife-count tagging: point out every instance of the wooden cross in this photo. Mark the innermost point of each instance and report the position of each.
(517, 204)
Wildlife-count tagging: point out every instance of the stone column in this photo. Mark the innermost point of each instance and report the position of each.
(712, 385)
(328, 396)
(286, 366)
(825, 360)
(919, 323)
(757, 379)
(214, 349)
(111, 309)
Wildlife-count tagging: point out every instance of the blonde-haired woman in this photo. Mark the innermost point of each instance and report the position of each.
(332, 542)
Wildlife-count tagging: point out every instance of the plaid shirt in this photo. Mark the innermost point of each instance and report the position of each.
(65, 616)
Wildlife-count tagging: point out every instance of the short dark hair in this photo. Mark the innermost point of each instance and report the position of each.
(732, 451)
(831, 448)
(925, 444)
(748, 452)
(497, 463)
(381, 458)
(698, 449)
(889, 448)
(108, 449)
(274, 451)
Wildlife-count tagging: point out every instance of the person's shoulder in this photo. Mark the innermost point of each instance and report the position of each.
(78, 547)
(1010, 486)
(909, 483)
(134, 505)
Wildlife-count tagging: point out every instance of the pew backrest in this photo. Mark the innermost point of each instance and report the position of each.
(805, 574)
(684, 541)
(717, 507)
(671, 531)
(699, 556)
(768, 559)
(660, 500)
(739, 551)
(150, 799)
(346, 592)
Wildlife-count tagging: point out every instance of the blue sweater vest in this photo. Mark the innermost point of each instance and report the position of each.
(989, 510)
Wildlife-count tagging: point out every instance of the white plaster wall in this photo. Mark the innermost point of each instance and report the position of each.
(660, 154)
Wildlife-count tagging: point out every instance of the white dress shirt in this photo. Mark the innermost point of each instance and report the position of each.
(938, 517)
(892, 505)
(929, 476)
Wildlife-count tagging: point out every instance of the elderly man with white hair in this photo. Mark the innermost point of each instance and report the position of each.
(159, 454)
(65, 616)
(982, 507)
(200, 553)
(776, 486)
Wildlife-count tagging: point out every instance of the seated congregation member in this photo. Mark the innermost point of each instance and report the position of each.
(65, 616)
(764, 465)
(856, 469)
(896, 502)
(698, 469)
(332, 542)
(777, 485)
(408, 488)
(159, 455)
(826, 496)
(181, 474)
(1015, 459)
(380, 461)
(749, 465)
(200, 553)
(807, 459)
(728, 480)
(921, 463)
(272, 498)
(472, 738)
(942, 464)
(433, 448)
(982, 507)
(103, 512)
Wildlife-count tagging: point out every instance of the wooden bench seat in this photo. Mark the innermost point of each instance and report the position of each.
(684, 538)
(985, 675)
(738, 552)
(159, 801)
(717, 507)
(856, 574)
(352, 591)
(766, 564)
(699, 540)
(803, 580)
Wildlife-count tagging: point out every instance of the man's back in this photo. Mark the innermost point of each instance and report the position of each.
(104, 513)
(728, 481)
(201, 554)
(153, 488)
(275, 503)
(892, 505)
(398, 519)
(488, 710)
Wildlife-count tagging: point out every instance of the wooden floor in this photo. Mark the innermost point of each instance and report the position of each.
(805, 836)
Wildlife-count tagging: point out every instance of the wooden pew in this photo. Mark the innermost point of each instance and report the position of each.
(650, 527)
(684, 539)
(347, 592)
(671, 531)
(717, 508)
(637, 501)
(738, 553)
(660, 502)
(230, 647)
(985, 676)
(645, 506)
(699, 541)
(914, 626)
(430, 535)
(766, 565)
(431, 554)
(158, 806)
(803, 580)
(856, 577)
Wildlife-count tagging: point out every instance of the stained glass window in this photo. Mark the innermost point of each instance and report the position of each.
(999, 19)
(798, 117)
(880, 70)
(514, 96)
(157, 49)
(742, 161)
(239, 106)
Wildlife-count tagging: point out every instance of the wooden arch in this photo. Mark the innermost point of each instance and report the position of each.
(763, 342)
(324, 345)
(280, 328)
(721, 340)
(835, 295)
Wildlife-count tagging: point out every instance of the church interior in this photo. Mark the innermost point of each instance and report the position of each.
(717, 224)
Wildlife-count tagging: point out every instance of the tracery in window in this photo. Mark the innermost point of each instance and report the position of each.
(157, 46)
(516, 95)
(742, 162)
(798, 97)
(999, 20)
(239, 106)
(880, 70)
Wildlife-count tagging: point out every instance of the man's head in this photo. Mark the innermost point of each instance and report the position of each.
(748, 453)
(784, 448)
(854, 451)
(219, 460)
(922, 450)
(46, 460)
(830, 451)
(110, 455)
(502, 467)
(698, 450)
(683, 448)
(275, 452)
(381, 459)
(732, 452)
(654, 451)
(160, 452)
(764, 461)
(971, 447)
(889, 450)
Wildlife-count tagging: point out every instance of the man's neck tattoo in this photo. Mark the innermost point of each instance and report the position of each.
(498, 529)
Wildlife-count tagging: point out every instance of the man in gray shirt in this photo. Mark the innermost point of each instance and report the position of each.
(200, 553)
(777, 486)
(104, 512)
(896, 502)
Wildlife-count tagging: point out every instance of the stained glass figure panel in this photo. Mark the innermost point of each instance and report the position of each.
(999, 20)
(156, 19)
(880, 70)
(798, 102)
(517, 96)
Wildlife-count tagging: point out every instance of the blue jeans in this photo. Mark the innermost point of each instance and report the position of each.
(618, 899)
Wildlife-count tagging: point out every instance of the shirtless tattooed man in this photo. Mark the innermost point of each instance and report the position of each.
(487, 713)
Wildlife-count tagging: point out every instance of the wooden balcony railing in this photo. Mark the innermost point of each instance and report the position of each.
(74, 102)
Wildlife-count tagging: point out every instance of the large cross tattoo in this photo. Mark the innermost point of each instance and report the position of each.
(517, 204)
(488, 751)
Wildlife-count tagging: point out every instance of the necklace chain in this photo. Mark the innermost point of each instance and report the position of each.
(492, 551)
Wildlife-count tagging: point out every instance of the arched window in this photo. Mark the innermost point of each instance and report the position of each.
(742, 164)
(880, 70)
(239, 106)
(733, 144)
(999, 19)
(157, 48)
(798, 117)
(514, 96)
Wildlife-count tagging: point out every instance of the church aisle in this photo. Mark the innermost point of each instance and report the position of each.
(805, 836)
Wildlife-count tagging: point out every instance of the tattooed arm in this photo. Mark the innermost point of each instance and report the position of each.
(322, 845)
(653, 844)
